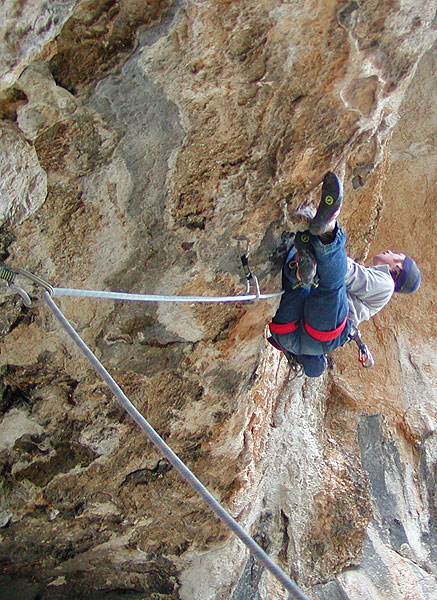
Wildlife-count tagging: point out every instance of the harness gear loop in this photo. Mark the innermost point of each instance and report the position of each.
(9, 275)
(364, 355)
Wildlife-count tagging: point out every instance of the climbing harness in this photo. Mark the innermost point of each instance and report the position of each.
(364, 355)
(9, 275)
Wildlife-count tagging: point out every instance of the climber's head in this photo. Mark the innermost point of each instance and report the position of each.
(403, 269)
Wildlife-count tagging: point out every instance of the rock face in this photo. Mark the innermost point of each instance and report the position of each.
(140, 141)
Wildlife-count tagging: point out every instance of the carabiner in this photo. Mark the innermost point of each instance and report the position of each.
(364, 355)
(38, 280)
(246, 268)
(9, 275)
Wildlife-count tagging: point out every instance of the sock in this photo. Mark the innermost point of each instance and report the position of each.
(329, 236)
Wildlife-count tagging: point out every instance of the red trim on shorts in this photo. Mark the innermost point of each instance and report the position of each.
(285, 328)
(325, 336)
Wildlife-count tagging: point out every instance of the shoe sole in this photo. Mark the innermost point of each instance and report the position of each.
(331, 201)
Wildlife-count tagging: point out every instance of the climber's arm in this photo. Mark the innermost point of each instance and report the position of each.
(369, 289)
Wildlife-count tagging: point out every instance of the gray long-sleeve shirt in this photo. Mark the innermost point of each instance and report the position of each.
(368, 290)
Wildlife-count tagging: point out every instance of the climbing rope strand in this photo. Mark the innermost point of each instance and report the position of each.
(8, 274)
(174, 460)
(155, 298)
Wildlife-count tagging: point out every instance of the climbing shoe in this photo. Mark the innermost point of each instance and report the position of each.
(306, 261)
(293, 361)
(330, 204)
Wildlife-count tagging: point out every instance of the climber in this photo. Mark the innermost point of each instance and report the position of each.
(315, 318)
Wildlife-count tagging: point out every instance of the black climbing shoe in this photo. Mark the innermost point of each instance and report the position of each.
(330, 203)
(293, 361)
(306, 261)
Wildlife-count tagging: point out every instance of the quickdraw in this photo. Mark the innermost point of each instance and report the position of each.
(364, 355)
(250, 278)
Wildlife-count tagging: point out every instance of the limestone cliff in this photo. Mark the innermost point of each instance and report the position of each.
(139, 141)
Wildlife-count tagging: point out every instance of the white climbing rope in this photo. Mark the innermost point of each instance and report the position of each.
(8, 274)
(174, 460)
(157, 298)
